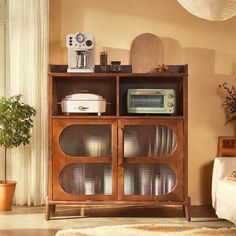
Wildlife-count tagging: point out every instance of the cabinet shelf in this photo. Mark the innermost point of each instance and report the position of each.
(161, 75)
(114, 90)
(117, 157)
(116, 117)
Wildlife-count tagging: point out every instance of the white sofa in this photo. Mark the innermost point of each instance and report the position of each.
(224, 190)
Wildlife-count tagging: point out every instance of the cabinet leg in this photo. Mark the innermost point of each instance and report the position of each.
(82, 212)
(183, 209)
(47, 210)
(186, 209)
(52, 208)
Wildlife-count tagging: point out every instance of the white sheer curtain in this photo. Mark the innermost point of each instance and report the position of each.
(3, 27)
(28, 62)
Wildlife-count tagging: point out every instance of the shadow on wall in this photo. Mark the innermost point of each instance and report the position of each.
(207, 69)
(57, 36)
(117, 54)
(55, 32)
(173, 53)
(234, 69)
(205, 182)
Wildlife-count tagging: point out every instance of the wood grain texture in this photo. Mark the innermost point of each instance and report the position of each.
(146, 53)
(226, 146)
(114, 88)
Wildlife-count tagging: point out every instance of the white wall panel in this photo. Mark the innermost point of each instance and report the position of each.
(2, 11)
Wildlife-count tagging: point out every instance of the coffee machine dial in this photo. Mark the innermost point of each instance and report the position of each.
(80, 37)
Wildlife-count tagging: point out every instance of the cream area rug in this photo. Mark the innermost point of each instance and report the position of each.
(147, 230)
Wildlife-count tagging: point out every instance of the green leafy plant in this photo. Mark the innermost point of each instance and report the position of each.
(15, 124)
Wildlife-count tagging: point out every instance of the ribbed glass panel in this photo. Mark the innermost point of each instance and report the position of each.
(86, 140)
(148, 140)
(86, 178)
(145, 179)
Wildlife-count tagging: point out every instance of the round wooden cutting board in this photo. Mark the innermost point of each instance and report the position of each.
(146, 53)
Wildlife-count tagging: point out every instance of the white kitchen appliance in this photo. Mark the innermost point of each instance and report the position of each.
(83, 103)
(80, 52)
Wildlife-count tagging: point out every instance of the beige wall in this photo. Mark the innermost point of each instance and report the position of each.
(209, 48)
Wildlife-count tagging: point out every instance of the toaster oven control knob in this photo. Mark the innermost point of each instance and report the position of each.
(170, 104)
(170, 95)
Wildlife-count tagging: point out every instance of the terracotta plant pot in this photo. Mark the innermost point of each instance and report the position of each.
(6, 195)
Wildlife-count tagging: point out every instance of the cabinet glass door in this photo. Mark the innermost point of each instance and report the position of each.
(86, 179)
(150, 159)
(148, 140)
(85, 159)
(86, 140)
(146, 179)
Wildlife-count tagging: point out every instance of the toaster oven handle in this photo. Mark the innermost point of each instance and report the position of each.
(148, 93)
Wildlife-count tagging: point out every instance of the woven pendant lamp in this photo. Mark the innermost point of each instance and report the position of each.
(214, 10)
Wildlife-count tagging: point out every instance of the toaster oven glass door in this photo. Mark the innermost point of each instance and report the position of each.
(147, 101)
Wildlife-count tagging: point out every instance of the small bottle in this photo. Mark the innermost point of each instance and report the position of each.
(103, 58)
(115, 66)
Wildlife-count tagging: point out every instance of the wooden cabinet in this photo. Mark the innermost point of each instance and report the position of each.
(117, 158)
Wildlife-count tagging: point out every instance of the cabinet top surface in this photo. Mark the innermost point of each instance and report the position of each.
(174, 71)
(158, 74)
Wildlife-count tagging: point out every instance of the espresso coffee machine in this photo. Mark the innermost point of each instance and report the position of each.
(80, 52)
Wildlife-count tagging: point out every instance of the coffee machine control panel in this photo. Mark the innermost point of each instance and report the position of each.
(80, 52)
(80, 41)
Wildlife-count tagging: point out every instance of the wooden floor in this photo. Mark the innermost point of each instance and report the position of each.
(22, 221)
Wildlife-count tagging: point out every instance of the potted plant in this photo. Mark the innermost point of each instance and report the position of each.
(229, 102)
(15, 126)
